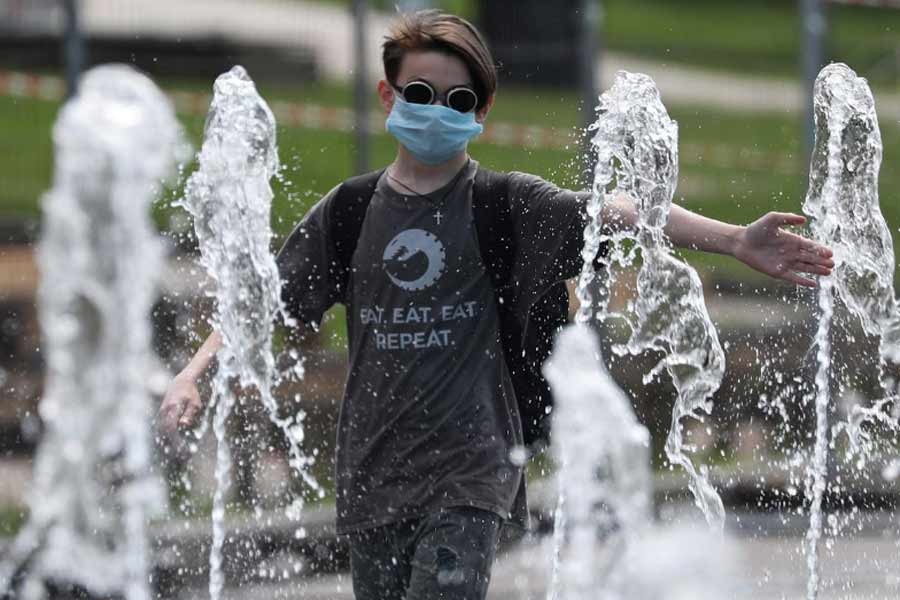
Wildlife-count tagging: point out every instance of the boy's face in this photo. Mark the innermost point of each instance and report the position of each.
(442, 71)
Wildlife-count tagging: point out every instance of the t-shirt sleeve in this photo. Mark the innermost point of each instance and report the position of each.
(307, 264)
(548, 222)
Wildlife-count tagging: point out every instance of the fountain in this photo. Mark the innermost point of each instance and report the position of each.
(637, 156)
(613, 549)
(603, 455)
(230, 199)
(100, 258)
(604, 506)
(843, 203)
(93, 493)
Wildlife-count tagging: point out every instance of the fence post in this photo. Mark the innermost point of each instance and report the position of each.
(73, 47)
(589, 60)
(360, 87)
(815, 28)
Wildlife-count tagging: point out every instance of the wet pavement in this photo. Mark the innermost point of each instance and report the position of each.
(760, 557)
(770, 567)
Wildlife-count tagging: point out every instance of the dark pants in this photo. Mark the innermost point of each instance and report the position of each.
(444, 556)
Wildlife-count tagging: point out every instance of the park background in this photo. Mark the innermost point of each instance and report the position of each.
(734, 74)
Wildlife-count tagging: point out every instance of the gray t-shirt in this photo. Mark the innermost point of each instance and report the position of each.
(429, 417)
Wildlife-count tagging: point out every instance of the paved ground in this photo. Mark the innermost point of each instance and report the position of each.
(761, 559)
(15, 475)
(325, 28)
(762, 568)
(769, 568)
(328, 31)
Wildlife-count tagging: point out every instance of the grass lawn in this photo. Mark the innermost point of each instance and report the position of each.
(758, 36)
(11, 520)
(734, 166)
(27, 148)
(755, 36)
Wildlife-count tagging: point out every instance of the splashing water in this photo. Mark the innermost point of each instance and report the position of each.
(843, 203)
(637, 149)
(230, 200)
(604, 459)
(100, 259)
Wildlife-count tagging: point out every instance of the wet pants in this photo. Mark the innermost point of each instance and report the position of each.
(444, 556)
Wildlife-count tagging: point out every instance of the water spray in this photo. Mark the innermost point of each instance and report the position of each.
(843, 203)
(100, 259)
(230, 199)
(637, 150)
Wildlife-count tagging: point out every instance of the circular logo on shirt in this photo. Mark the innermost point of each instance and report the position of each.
(414, 259)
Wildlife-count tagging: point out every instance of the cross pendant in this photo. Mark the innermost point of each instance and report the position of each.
(438, 216)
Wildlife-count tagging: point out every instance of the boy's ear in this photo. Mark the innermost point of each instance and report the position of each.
(482, 114)
(386, 95)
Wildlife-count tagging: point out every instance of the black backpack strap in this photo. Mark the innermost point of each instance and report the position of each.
(346, 215)
(492, 213)
(524, 350)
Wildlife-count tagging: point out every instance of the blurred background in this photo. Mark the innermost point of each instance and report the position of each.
(735, 74)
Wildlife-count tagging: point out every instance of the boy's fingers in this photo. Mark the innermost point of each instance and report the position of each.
(173, 412)
(798, 279)
(165, 411)
(816, 258)
(788, 218)
(816, 269)
(189, 414)
(810, 246)
(818, 249)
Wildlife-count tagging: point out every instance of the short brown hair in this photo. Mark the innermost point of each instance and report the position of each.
(436, 30)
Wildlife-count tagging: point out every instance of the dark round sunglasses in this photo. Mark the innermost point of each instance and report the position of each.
(459, 98)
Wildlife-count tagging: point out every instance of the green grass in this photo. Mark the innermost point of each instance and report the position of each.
(27, 148)
(731, 179)
(757, 36)
(534, 105)
(750, 36)
(11, 520)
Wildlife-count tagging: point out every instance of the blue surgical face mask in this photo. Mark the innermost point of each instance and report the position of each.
(432, 133)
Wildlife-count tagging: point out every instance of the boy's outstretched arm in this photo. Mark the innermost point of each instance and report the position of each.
(182, 402)
(762, 245)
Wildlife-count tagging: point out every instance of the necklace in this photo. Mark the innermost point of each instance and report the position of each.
(438, 215)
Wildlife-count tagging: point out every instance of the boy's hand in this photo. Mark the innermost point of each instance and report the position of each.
(766, 247)
(181, 405)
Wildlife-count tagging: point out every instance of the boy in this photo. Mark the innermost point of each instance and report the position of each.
(429, 437)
